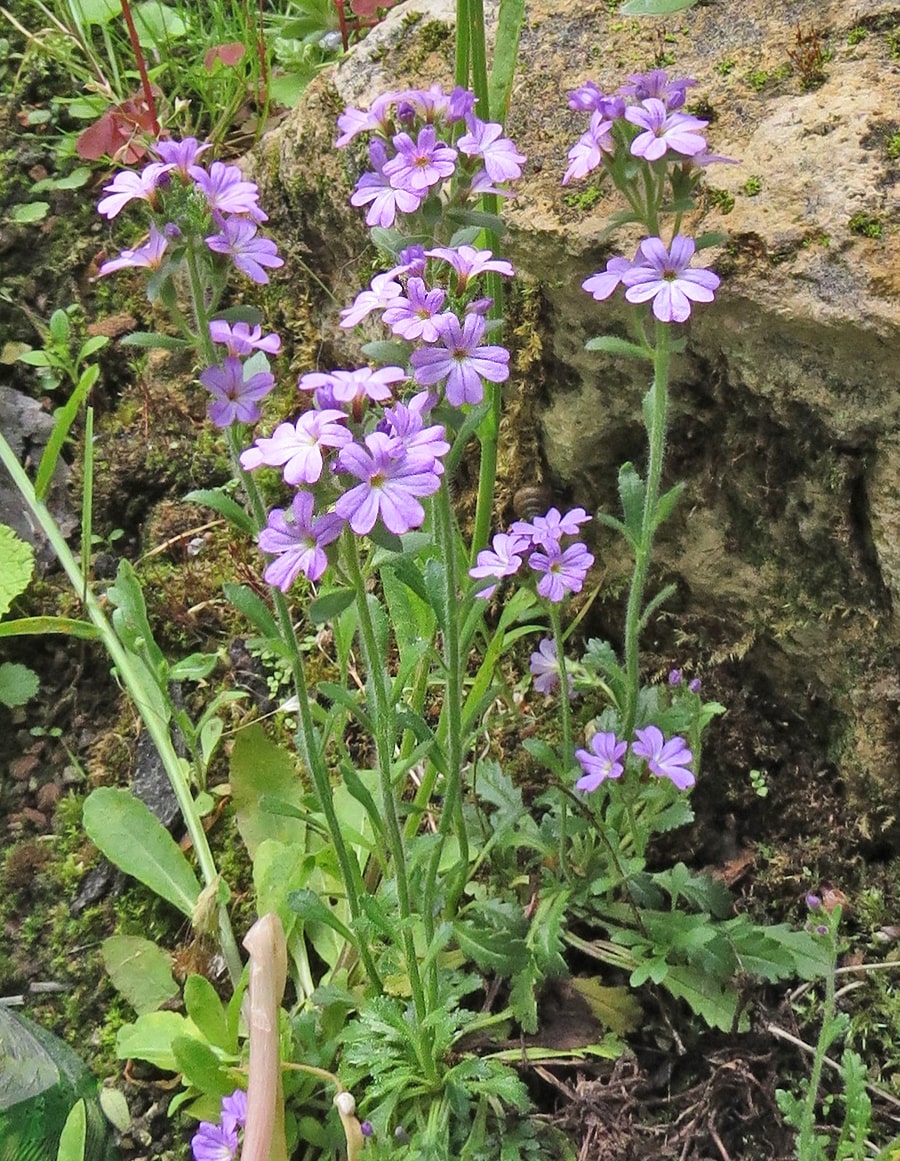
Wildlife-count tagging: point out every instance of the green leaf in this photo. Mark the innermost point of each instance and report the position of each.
(60, 326)
(37, 626)
(133, 838)
(617, 1008)
(156, 24)
(616, 346)
(387, 352)
(96, 11)
(654, 7)
(149, 340)
(715, 1002)
(260, 767)
(63, 417)
(115, 1108)
(666, 503)
(18, 684)
(254, 608)
(203, 1006)
(506, 51)
(92, 345)
(194, 667)
(28, 213)
(711, 238)
(492, 949)
(151, 1038)
(225, 505)
(631, 494)
(200, 1067)
(140, 971)
(74, 1135)
(16, 567)
(311, 909)
(330, 606)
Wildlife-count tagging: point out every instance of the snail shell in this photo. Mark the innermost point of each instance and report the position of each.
(532, 500)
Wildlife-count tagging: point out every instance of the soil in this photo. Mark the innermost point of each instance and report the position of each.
(680, 1091)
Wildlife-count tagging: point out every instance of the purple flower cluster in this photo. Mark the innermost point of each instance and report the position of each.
(414, 157)
(187, 199)
(665, 759)
(220, 1142)
(644, 120)
(561, 569)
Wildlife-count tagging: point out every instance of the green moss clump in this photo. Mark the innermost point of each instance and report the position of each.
(720, 199)
(866, 225)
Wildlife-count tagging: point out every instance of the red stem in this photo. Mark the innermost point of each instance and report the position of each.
(342, 24)
(142, 68)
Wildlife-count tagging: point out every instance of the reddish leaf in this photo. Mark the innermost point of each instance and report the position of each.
(368, 9)
(228, 54)
(118, 133)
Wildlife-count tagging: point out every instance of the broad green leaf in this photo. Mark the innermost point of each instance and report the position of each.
(74, 1135)
(491, 949)
(28, 213)
(260, 767)
(115, 1108)
(654, 7)
(330, 606)
(96, 11)
(194, 667)
(200, 1067)
(157, 24)
(203, 1006)
(140, 970)
(506, 51)
(225, 505)
(717, 1003)
(134, 839)
(616, 346)
(16, 566)
(151, 1038)
(18, 684)
(617, 1008)
(387, 351)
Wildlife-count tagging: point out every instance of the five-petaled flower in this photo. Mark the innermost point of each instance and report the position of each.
(461, 360)
(235, 399)
(392, 480)
(503, 558)
(298, 446)
(665, 759)
(602, 761)
(297, 541)
(664, 131)
(563, 570)
(667, 277)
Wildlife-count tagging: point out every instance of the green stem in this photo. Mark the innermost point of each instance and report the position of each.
(128, 669)
(452, 814)
(385, 739)
(568, 748)
(806, 1144)
(657, 406)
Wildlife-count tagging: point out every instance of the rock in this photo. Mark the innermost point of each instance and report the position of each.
(26, 428)
(785, 405)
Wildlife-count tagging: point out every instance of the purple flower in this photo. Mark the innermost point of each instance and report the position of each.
(234, 1110)
(180, 155)
(241, 340)
(503, 558)
(376, 188)
(586, 98)
(214, 1143)
(352, 387)
(544, 665)
(355, 121)
(461, 104)
(813, 902)
(462, 361)
(656, 83)
(407, 424)
(674, 677)
(128, 186)
(235, 399)
(587, 152)
(150, 255)
(413, 317)
(664, 131)
(564, 570)
(499, 155)
(297, 541)
(664, 759)
(420, 164)
(602, 284)
(299, 446)
(367, 1128)
(665, 277)
(601, 762)
(467, 262)
(392, 479)
(226, 191)
(694, 686)
(239, 241)
(547, 531)
(384, 291)
(412, 262)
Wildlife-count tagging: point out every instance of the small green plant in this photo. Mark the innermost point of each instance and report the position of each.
(724, 67)
(18, 683)
(752, 186)
(866, 225)
(893, 43)
(857, 34)
(62, 356)
(892, 147)
(759, 781)
(720, 199)
(584, 199)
